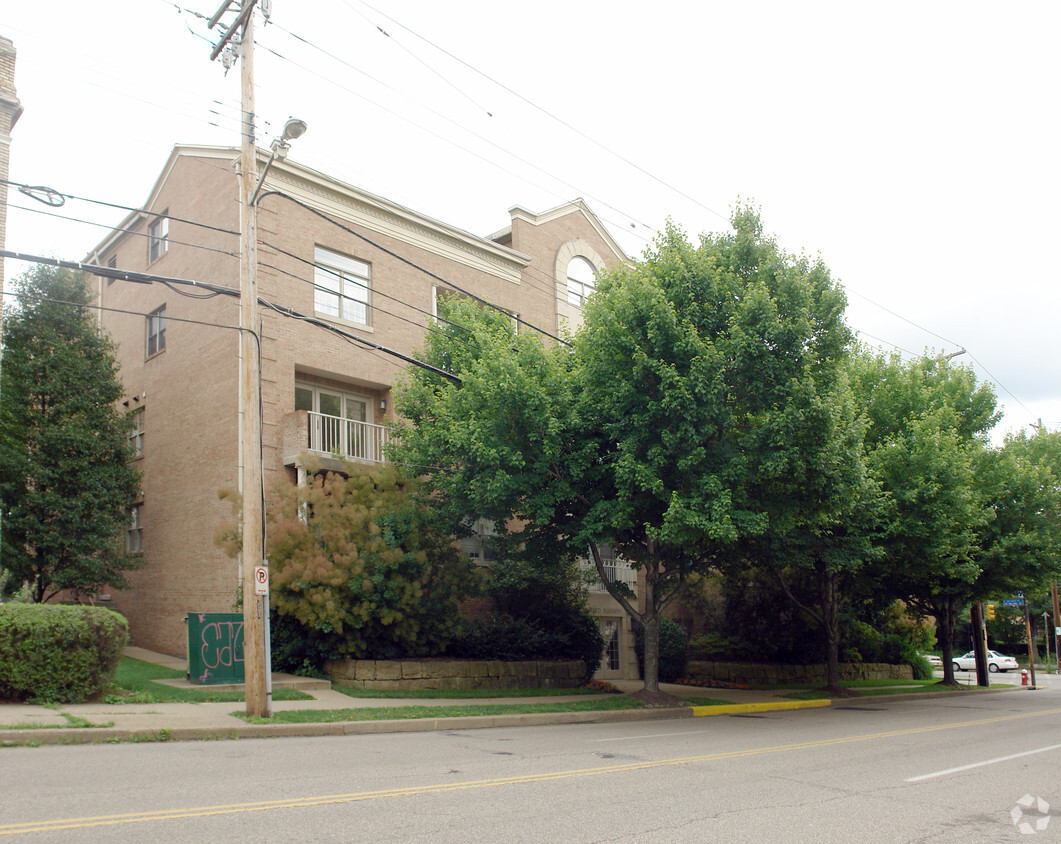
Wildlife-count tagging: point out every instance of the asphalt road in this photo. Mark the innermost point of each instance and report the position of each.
(868, 770)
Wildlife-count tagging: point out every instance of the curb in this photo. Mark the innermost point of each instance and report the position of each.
(105, 735)
(743, 708)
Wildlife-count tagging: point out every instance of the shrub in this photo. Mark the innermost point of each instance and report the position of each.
(575, 636)
(59, 654)
(673, 650)
(716, 647)
(922, 667)
(297, 649)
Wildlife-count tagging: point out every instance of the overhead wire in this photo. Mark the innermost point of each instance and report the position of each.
(133, 232)
(413, 264)
(148, 278)
(547, 113)
(449, 120)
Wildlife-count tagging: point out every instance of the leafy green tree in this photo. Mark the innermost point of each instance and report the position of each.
(1020, 547)
(928, 424)
(363, 568)
(654, 435)
(825, 519)
(66, 483)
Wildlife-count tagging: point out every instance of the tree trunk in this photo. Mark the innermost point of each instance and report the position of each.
(945, 636)
(651, 624)
(831, 627)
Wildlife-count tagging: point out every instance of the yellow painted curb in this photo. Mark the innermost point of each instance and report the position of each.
(742, 708)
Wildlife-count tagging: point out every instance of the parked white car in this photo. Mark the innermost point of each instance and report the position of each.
(933, 660)
(995, 662)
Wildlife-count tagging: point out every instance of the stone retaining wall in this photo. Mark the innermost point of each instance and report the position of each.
(455, 674)
(764, 674)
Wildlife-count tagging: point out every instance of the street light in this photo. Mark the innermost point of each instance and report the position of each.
(254, 568)
(294, 128)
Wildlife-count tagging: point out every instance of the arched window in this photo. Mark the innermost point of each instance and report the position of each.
(581, 278)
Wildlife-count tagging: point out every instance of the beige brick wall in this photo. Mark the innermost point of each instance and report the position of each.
(190, 391)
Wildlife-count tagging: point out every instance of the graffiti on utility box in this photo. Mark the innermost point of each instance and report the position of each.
(215, 647)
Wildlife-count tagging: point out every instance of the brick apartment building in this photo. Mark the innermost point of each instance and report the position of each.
(179, 350)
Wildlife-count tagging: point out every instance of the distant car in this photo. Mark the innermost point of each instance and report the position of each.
(933, 660)
(995, 662)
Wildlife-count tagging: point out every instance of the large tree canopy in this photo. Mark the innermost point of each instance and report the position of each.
(65, 478)
(928, 424)
(670, 430)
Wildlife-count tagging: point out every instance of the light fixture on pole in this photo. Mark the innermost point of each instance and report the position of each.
(294, 128)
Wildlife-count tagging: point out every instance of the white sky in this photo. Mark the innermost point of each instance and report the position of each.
(913, 145)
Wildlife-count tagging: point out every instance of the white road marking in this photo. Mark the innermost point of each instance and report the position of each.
(982, 764)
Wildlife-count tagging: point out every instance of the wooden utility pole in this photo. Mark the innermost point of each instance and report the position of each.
(1031, 639)
(255, 605)
(1057, 627)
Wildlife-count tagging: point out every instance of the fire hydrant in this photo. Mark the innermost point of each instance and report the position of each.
(1024, 676)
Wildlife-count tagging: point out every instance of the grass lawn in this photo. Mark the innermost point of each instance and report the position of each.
(703, 701)
(388, 713)
(457, 694)
(135, 683)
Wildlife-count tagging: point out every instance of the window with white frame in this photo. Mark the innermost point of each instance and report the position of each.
(136, 435)
(156, 331)
(134, 542)
(479, 546)
(581, 279)
(336, 427)
(342, 286)
(157, 238)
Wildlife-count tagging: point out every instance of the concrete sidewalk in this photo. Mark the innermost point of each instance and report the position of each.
(22, 724)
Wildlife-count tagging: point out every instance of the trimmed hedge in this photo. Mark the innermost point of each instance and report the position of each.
(62, 654)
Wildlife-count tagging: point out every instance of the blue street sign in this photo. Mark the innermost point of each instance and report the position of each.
(1013, 602)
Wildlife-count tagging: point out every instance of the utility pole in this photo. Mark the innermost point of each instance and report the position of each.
(255, 604)
(1031, 639)
(1057, 626)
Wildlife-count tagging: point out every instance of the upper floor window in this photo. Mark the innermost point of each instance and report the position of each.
(136, 435)
(156, 331)
(157, 238)
(134, 538)
(342, 286)
(581, 278)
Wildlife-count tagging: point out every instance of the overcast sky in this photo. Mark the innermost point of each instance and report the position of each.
(914, 146)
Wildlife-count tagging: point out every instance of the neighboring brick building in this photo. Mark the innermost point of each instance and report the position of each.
(179, 353)
(10, 111)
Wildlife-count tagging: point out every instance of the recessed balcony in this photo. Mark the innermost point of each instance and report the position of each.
(320, 435)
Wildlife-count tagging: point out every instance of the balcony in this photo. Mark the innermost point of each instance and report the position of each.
(331, 437)
(615, 571)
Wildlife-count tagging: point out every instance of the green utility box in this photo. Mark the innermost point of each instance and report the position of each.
(215, 647)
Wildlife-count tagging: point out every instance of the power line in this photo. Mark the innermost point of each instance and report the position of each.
(547, 113)
(449, 120)
(147, 278)
(123, 231)
(32, 191)
(412, 264)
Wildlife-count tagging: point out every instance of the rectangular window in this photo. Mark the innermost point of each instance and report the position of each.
(480, 545)
(157, 238)
(136, 435)
(156, 331)
(342, 286)
(134, 542)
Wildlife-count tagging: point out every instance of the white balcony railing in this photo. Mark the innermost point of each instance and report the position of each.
(346, 437)
(615, 571)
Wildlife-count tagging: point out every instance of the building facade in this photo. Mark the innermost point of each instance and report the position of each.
(327, 251)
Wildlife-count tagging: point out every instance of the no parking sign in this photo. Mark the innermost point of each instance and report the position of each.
(261, 580)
